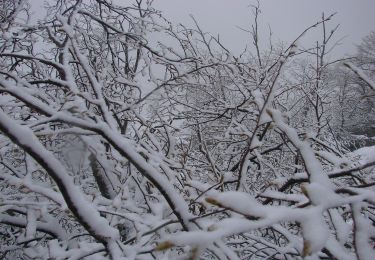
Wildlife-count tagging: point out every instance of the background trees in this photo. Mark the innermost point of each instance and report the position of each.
(118, 145)
(354, 99)
(364, 64)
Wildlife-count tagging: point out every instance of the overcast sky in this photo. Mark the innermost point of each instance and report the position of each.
(286, 18)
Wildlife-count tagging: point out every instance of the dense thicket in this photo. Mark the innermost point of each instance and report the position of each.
(124, 136)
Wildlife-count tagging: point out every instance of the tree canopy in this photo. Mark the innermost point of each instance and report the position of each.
(124, 136)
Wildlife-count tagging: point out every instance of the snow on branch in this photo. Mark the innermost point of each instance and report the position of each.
(360, 74)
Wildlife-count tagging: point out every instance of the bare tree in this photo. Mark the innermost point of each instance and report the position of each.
(117, 145)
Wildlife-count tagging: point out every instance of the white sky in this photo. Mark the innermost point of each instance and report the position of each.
(287, 18)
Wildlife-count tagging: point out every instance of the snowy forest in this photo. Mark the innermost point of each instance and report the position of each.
(126, 136)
